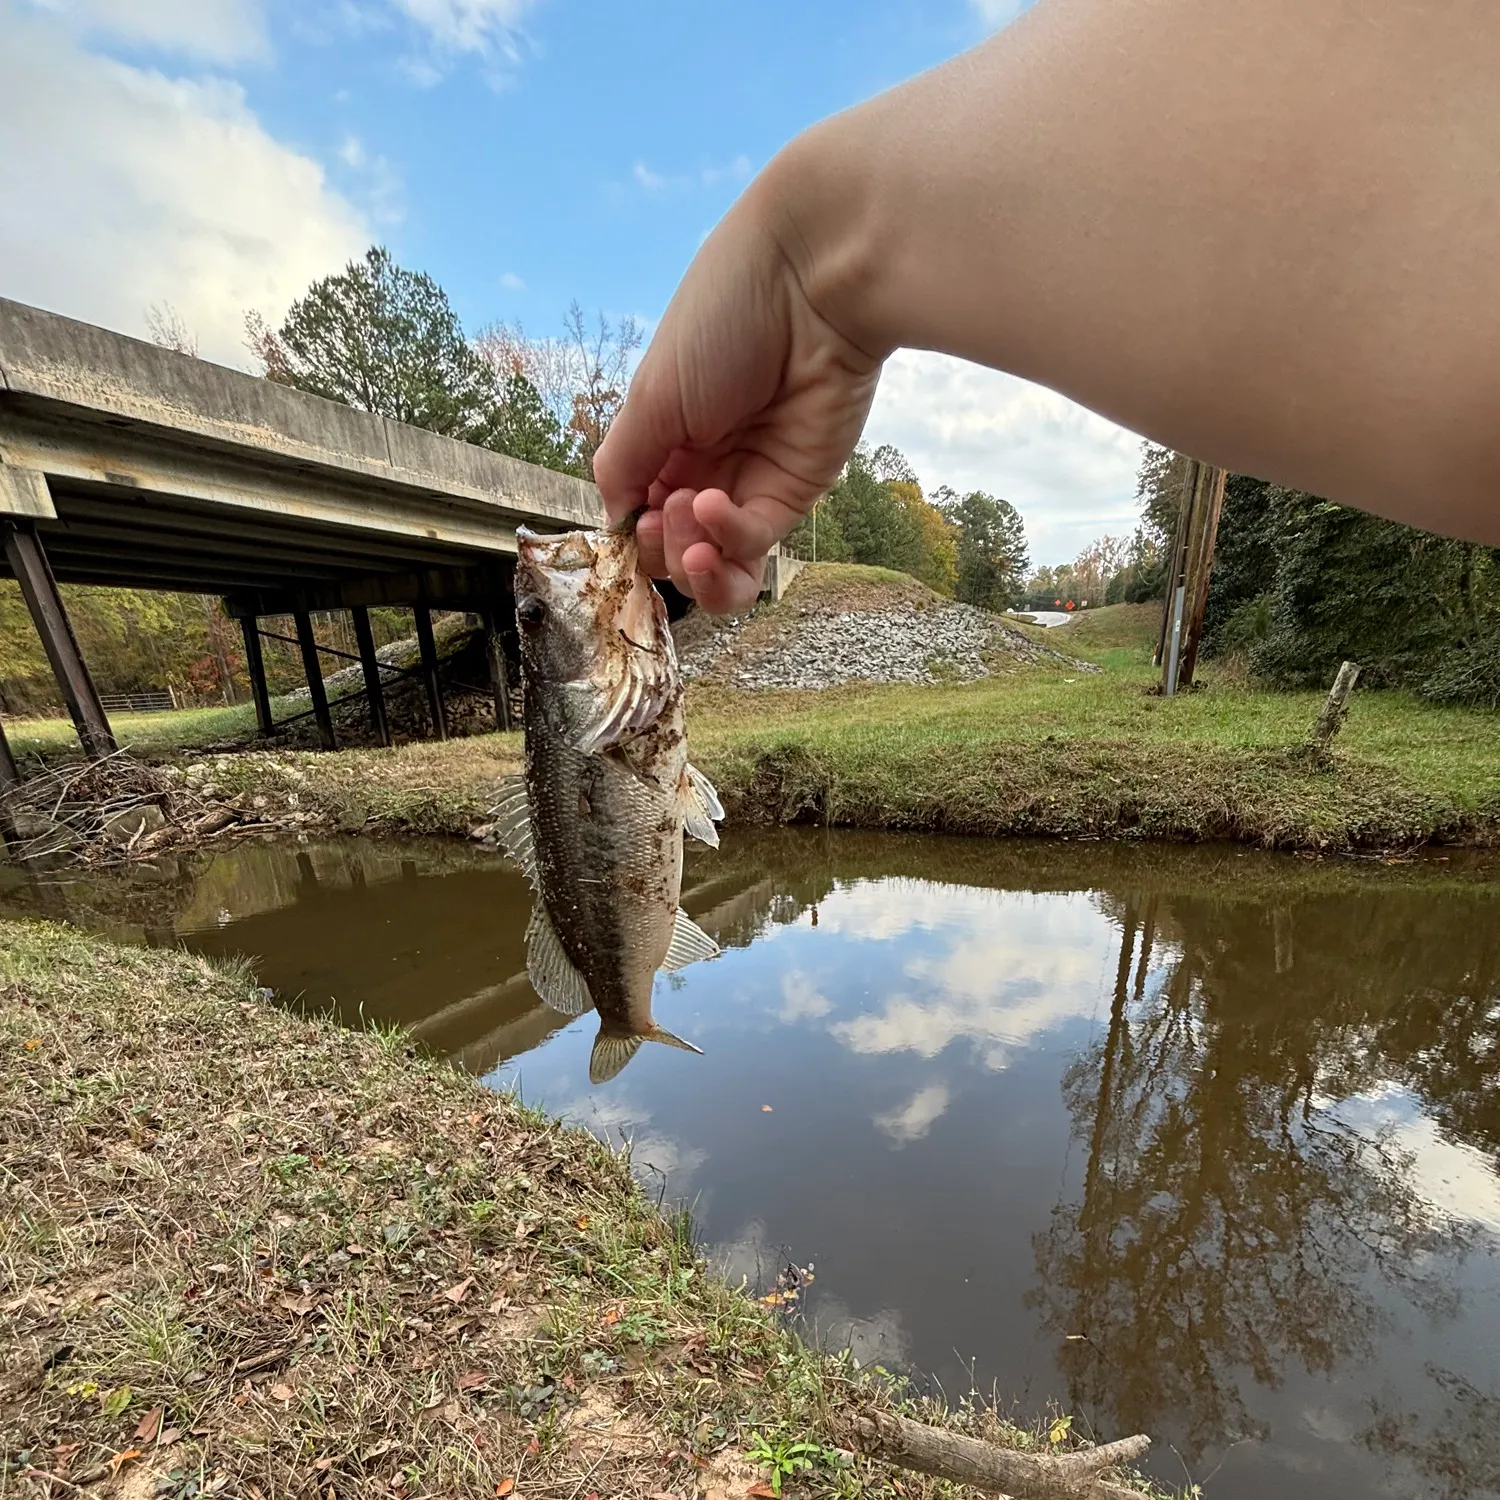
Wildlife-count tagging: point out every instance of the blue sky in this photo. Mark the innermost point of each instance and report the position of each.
(217, 155)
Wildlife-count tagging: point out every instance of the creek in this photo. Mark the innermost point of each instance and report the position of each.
(1198, 1142)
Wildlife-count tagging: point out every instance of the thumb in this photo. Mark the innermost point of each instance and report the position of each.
(643, 436)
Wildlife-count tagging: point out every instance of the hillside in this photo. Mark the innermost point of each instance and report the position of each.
(842, 622)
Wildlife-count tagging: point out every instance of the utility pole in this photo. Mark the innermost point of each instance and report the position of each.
(1189, 574)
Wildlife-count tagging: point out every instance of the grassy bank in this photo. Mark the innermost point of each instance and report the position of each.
(250, 1254)
(1047, 750)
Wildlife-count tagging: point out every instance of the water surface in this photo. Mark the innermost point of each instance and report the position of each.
(1199, 1142)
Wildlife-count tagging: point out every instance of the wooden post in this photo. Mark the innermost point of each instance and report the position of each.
(10, 775)
(23, 550)
(494, 644)
(10, 779)
(255, 665)
(370, 665)
(314, 670)
(1331, 719)
(430, 671)
(1202, 568)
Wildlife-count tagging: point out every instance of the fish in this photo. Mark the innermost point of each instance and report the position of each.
(596, 820)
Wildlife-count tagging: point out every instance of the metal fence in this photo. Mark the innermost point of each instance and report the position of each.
(138, 703)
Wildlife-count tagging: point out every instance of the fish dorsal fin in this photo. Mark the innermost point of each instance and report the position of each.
(552, 973)
(512, 817)
(689, 943)
(701, 807)
(611, 1053)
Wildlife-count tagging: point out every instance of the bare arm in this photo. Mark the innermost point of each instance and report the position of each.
(1267, 234)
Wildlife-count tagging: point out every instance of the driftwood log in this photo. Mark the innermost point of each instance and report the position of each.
(987, 1466)
(1331, 719)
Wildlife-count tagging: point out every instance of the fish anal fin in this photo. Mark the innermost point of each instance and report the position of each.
(689, 944)
(552, 973)
(512, 818)
(700, 806)
(610, 1054)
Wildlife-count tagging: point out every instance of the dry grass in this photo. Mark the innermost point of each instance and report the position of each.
(248, 1254)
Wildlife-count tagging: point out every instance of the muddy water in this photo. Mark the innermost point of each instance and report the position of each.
(1202, 1143)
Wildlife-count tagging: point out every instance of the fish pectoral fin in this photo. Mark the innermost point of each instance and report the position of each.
(633, 702)
(552, 973)
(689, 943)
(610, 1054)
(512, 815)
(701, 807)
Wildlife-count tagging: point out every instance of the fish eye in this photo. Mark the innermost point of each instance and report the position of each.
(531, 611)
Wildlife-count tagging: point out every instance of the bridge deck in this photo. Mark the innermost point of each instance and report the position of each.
(146, 468)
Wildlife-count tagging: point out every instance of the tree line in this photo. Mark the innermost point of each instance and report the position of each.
(970, 547)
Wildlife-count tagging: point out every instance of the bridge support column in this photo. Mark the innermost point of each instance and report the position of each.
(255, 664)
(430, 670)
(494, 645)
(23, 550)
(370, 664)
(314, 670)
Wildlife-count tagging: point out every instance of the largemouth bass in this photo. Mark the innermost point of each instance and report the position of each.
(597, 820)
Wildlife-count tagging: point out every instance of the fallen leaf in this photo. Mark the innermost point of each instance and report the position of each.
(322, 1465)
(765, 1109)
(583, 1221)
(281, 1393)
(456, 1294)
(663, 1495)
(121, 1459)
(611, 1317)
(533, 1448)
(113, 1403)
(505, 1486)
(472, 1380)
(761, 1489)
(169, 1436)
(33, 1044)
(150, 1424)
(301, 1306)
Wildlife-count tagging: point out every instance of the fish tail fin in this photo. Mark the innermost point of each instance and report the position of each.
(660, 1034)
(611, 1053)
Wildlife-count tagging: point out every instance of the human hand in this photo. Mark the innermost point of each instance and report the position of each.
(742, 412)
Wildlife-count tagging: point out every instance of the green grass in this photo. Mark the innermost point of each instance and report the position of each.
(1056, 750)
(146, 734)
(257, 1254)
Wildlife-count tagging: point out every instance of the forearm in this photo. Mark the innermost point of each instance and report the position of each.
(1265, 234)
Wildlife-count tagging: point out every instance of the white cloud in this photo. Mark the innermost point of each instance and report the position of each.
(801, 1000)
(121, 187)
(1011, 969)
(1070, 472)
(998, 13)
(736, 171)
(377, 186)
(912, 1120)
(511, 282)
(217, 31)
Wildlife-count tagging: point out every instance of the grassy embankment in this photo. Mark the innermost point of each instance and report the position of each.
(1042, 749)
(249, 1253)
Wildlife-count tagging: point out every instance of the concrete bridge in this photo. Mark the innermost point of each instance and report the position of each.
(129, 465)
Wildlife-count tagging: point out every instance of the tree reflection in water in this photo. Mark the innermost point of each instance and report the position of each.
(1231, 1224)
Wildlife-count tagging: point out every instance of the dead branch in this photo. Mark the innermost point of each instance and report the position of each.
(987, 1466)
